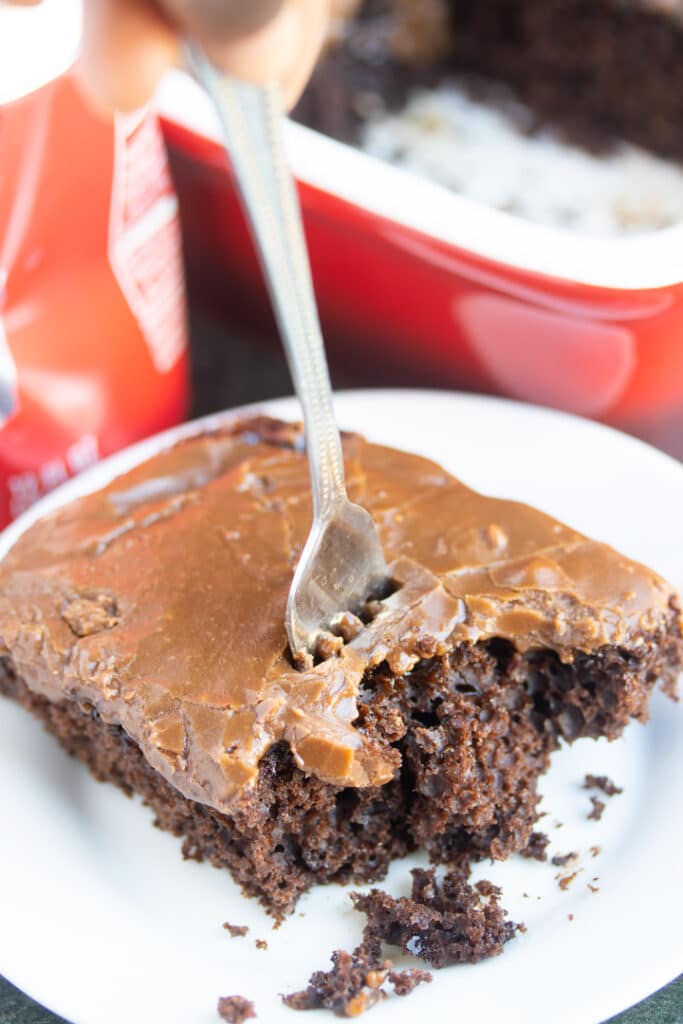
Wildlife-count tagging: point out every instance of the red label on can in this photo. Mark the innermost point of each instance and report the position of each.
(92, 324)
(144, 237)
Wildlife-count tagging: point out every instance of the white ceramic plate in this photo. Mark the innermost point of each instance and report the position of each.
(103, 922)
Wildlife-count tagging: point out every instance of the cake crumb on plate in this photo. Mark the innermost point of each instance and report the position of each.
(560, 860)
(602, 782)
(566, 880)
(536, 847)
(598, 809)
(235, 1009)
(444, 921)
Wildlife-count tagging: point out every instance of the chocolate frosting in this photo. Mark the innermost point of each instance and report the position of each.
(160, 600)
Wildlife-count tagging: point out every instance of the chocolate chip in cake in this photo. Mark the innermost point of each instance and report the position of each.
(536, 847)
(561, 860)
(351, 987)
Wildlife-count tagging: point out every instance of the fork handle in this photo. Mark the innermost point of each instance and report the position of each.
(251, 117)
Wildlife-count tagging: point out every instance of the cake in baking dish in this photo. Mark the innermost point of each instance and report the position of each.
(509, 101)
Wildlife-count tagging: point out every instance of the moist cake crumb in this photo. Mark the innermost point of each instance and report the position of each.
(406, 981)
(235, 1009)
(598, 808)
(560, 860)
(536, 847)
(261, 944)
(566, 880)
(354, 984)
(602, 782)
(595, 850)
(443, 922)
(236, 930)
(593, 888)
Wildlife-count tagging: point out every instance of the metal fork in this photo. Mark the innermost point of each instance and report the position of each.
(342, 563)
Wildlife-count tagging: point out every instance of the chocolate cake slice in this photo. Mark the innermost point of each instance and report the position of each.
(144, 624)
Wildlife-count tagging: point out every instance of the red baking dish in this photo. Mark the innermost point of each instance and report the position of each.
(418, 284)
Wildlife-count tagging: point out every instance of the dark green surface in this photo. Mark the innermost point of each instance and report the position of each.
(228, 372)
(666, 1007)
(16, 1008)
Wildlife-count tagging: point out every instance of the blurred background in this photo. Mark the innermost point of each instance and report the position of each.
(493, 199)
(487, 209)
